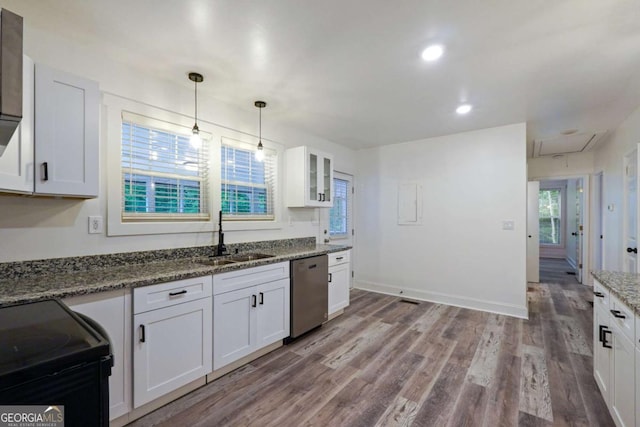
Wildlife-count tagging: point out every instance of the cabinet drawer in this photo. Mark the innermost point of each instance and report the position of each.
(600, 296)
(167, 294)
(234, 280)
(622, 317)
(336, 258)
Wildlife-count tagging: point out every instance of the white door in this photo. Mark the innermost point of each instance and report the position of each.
(579, 228)
(336, 224)
(598, 229)
(631, 212)
(533, 238)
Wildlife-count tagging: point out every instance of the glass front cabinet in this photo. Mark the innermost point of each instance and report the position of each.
(309, 175)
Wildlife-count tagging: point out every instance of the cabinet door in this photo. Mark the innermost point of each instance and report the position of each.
(16, 163)
(66, 133)
(112, 310)
(273, 312)
(234, 326)
(326, 180)
(622, 402)
(338, 287)
(172, 347)
(601, 354)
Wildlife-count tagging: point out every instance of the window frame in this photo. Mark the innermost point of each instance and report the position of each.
(111, 119)
(114, 107)
(240, 145)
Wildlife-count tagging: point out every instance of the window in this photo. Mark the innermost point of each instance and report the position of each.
(340, 214)
(550, 208)
(247, 185)
(163, 176)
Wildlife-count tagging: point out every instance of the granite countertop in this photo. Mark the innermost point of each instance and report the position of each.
(36, 287)
(625, 286)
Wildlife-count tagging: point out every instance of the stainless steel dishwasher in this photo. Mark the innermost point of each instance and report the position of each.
(309, 293)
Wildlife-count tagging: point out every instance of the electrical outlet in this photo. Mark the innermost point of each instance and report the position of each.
(95, 225)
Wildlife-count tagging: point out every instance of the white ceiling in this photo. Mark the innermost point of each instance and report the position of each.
(350, 71)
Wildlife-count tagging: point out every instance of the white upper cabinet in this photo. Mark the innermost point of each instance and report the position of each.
(66, 134)
(16, 163)
(55, 149)
(309, 178)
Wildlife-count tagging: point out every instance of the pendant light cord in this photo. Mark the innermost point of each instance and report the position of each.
(195, 82)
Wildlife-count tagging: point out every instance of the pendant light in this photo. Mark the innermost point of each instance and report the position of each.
(196, 141)
(260, 148)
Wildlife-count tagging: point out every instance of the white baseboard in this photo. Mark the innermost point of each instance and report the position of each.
(441, 298)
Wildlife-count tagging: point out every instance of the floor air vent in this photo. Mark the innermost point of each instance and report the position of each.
(409, 301)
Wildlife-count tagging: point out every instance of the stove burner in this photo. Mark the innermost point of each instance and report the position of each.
(18, 350)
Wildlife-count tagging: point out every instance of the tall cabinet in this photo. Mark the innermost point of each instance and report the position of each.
(309, 178)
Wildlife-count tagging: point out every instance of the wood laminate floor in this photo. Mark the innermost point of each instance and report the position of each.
(386, 362)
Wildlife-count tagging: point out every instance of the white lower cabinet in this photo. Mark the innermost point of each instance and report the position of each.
(339, 281)
(172, 341)
(622, 394)
(250, 311)
(112, 310)
(615, 362)
(602, 351)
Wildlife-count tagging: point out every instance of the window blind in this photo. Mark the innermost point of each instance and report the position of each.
(248, 185)
(164, 178)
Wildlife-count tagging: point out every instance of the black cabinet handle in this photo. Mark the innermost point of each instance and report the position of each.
(339, 258)
(319, 197)
(618, 314)
(182, 292)
(330, 277)
(142, 334)
(313, 266)
(600, 333)
(598, 294)
(261, 298)
(605, 331)
(634, 250)
(253, 301)
(45, 171)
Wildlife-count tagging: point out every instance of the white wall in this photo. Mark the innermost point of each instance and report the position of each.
(35, 228)
(460, 255)
(563, 166)
(608, 159)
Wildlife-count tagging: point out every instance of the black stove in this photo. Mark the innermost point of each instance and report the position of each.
(50, 355)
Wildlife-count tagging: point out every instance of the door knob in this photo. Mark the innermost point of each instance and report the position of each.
(574, 234)
(529, 235)
(634, 250)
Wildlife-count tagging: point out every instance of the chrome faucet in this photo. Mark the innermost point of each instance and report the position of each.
(221, 248)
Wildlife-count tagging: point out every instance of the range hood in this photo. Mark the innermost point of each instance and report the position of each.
(10, 75)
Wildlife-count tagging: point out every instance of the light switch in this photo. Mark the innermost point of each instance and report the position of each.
(508, 225)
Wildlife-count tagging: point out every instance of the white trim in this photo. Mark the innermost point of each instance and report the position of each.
(448, 299)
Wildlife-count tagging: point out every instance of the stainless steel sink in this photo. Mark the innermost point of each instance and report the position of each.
(216, 261)
(249, 257)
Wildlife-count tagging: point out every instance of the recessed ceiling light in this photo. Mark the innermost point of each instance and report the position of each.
(464, 109)
(432, 52)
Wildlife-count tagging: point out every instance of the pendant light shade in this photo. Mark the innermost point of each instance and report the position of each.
(260, 148)
(196, 141)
